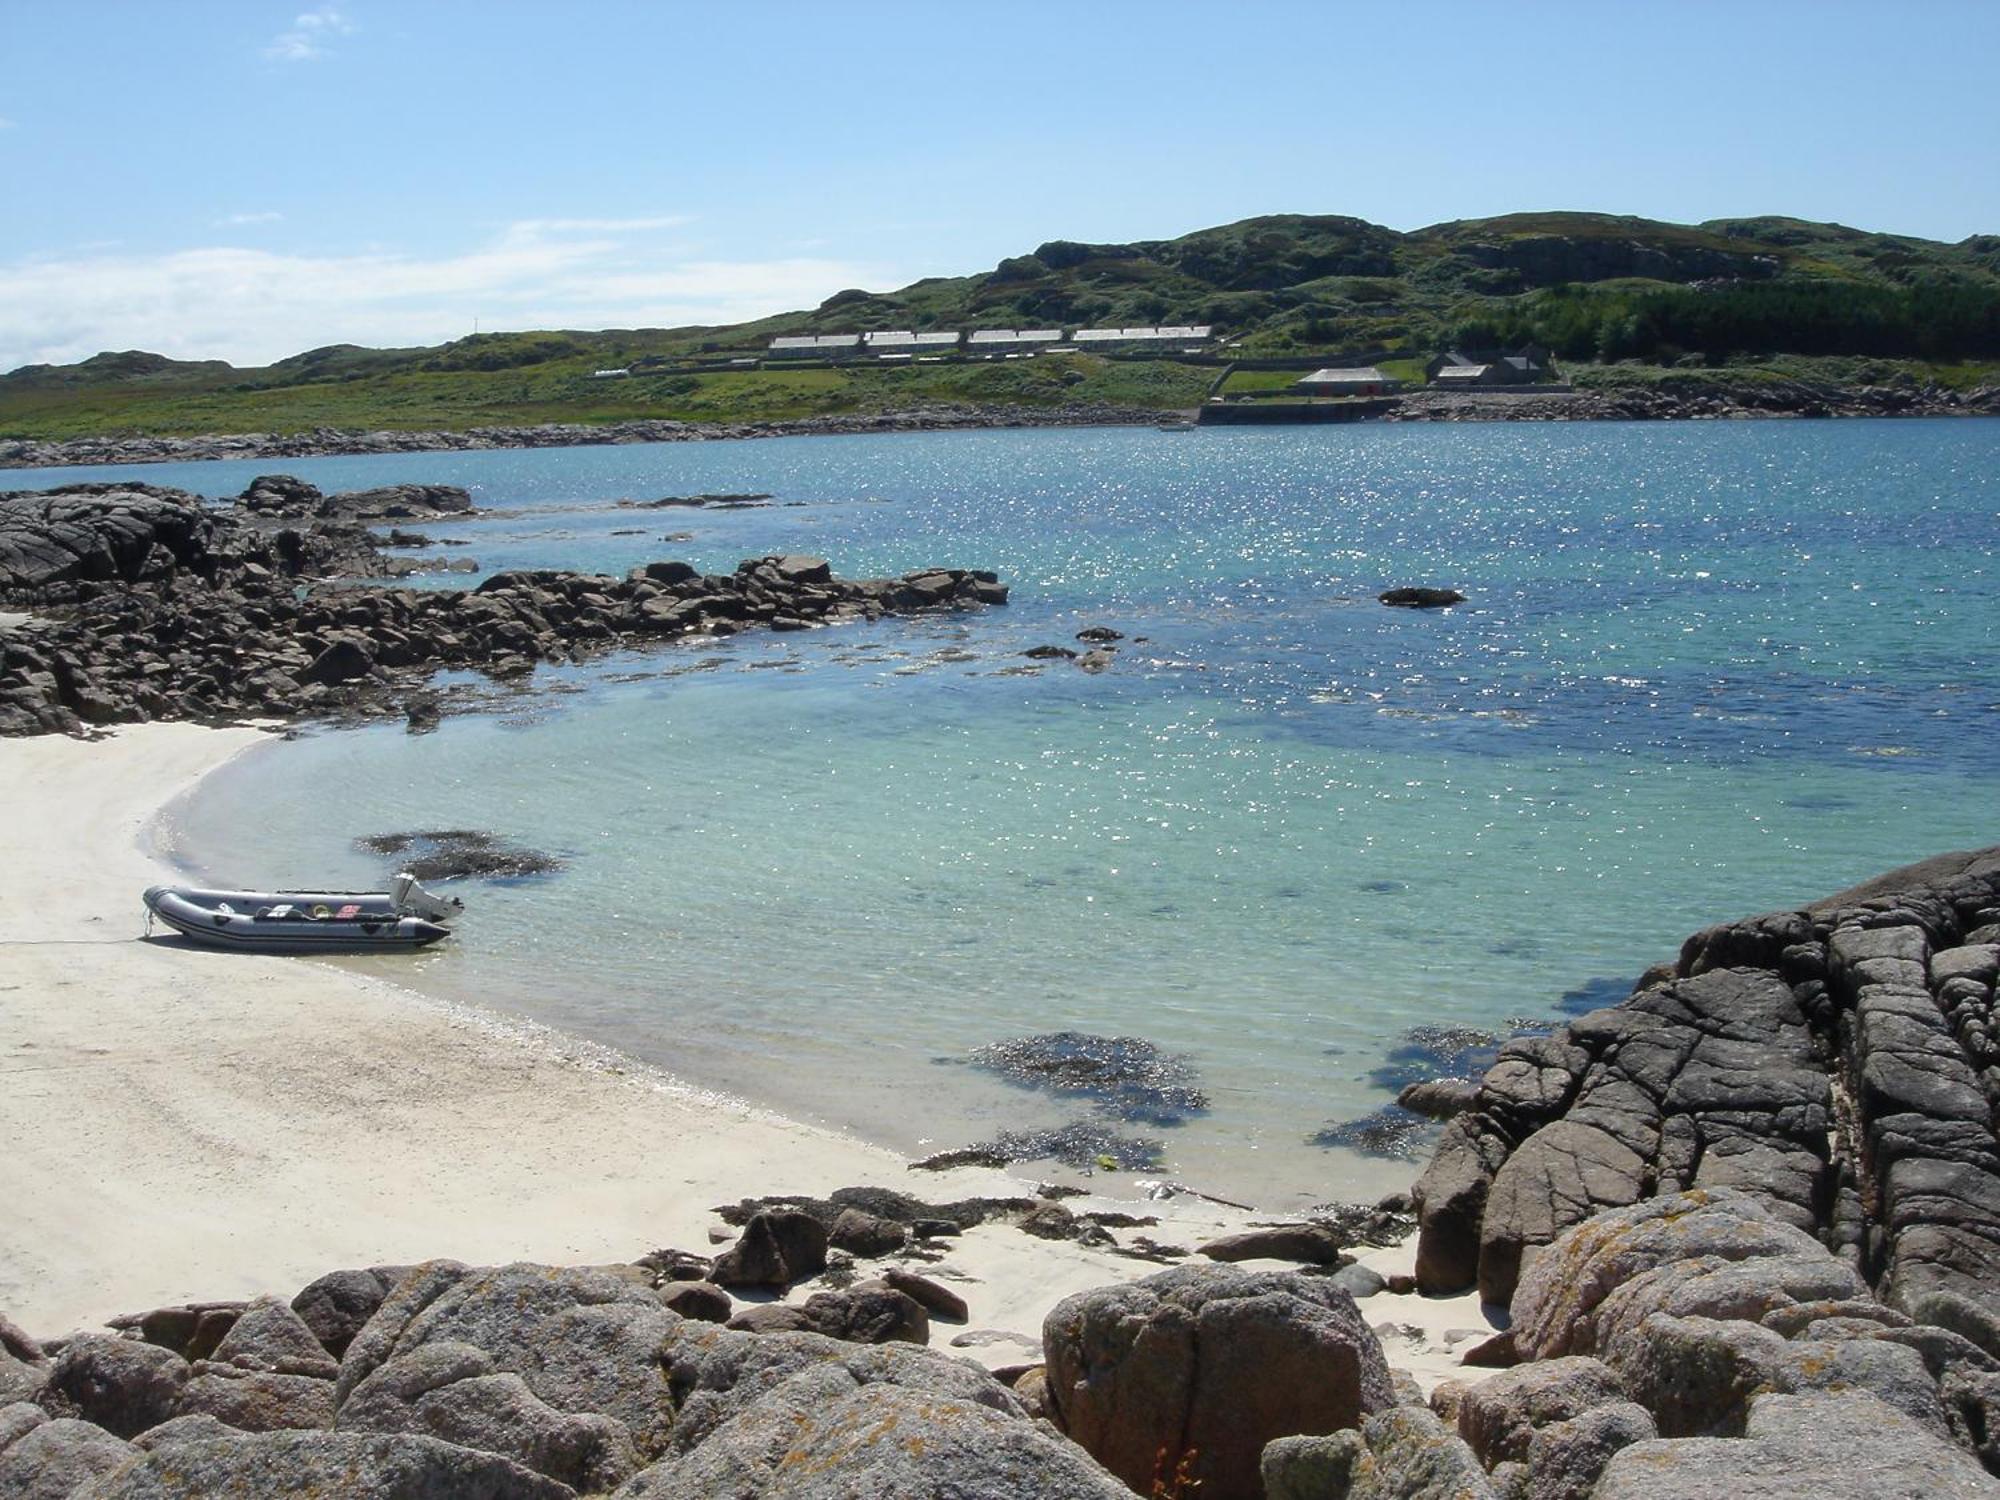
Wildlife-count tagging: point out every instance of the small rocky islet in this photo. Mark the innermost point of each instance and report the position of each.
(149, 604)
(1738, 1230)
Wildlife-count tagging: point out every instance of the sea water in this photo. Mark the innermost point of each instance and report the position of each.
(1310, 844)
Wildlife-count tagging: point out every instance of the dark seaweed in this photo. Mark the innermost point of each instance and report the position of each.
(1129, 1078)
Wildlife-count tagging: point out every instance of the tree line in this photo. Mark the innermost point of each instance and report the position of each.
(1939, 318)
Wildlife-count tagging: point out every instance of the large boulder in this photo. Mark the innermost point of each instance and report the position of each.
(321, 1466)
(339, 1304)
(56, 545)
(1556, 1307)
(1500, 1416)
(582, 1341)
(42, 1459)
(778, 1246)
(452, 1391)
(1566, 1459)
(1402, 1454)
(23, 1367)
(269, 1335)
(257, 1400)
(122, 1385)
(715, 1373)
(1699, 1376)
(1842, 1446)
(819, 1435)
(1209, 1364)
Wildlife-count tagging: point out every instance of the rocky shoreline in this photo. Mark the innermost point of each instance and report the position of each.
(1694, 400)
(36, 453)
(1791, 1296)
(1668, 401)
(149, 604)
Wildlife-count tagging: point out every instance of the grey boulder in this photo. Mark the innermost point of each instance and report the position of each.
(257, 1400)
(122, 1385)
(269, 1335)
(582, 1341)
(820, 1436)
(1404, 1454)
(1847, 1446)
(50, 1460)
(321, 1466)
(451, 1391)
(1500, 1415)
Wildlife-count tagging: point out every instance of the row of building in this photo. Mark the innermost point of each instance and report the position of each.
(888, 343)
(1530, 365)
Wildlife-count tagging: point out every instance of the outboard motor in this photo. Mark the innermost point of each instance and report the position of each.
(410, 896)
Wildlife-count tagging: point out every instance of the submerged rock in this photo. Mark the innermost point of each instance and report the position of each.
(1421, 598)
(460, 854)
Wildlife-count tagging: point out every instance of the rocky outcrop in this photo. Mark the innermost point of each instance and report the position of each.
(24, 1368)
(1401, 1454)
(321, 1463)
(34, 453)
(1838, 1063)
(41, 1459)
(293, 498)
(339, 1304)
(165, 610)
(1208, 1364)
(820, 1433)
(119, 1384)
(1691, 396)
(1829, 1447)
(777, 1247)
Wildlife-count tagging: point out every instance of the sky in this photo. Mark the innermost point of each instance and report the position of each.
(244, 180)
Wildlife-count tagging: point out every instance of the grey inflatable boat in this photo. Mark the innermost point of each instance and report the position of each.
(404, 916)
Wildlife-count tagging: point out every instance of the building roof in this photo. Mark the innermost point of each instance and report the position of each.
(1003, 336)
(1462, 372)
(889, 338)
(1122, 335)
(820, 341)
(1360, 375)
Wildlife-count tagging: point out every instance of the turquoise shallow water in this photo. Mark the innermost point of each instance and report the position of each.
(1704, 670)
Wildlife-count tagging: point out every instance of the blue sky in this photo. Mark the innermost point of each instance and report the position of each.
(226, 178)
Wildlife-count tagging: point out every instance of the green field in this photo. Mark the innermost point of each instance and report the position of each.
(564, 391)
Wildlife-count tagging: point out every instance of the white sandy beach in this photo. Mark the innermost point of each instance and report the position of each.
(180, 1124)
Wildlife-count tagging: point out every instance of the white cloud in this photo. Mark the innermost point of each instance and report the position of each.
(232, 221)
(251, 306)
(310, 33)
(528, 229)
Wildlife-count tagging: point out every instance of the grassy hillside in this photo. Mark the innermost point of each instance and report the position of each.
(1616, 297)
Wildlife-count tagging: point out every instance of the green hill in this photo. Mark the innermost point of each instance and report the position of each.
(1617, 298)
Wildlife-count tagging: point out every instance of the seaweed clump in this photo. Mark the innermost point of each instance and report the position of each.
(461, 854)
(1127, 1077)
